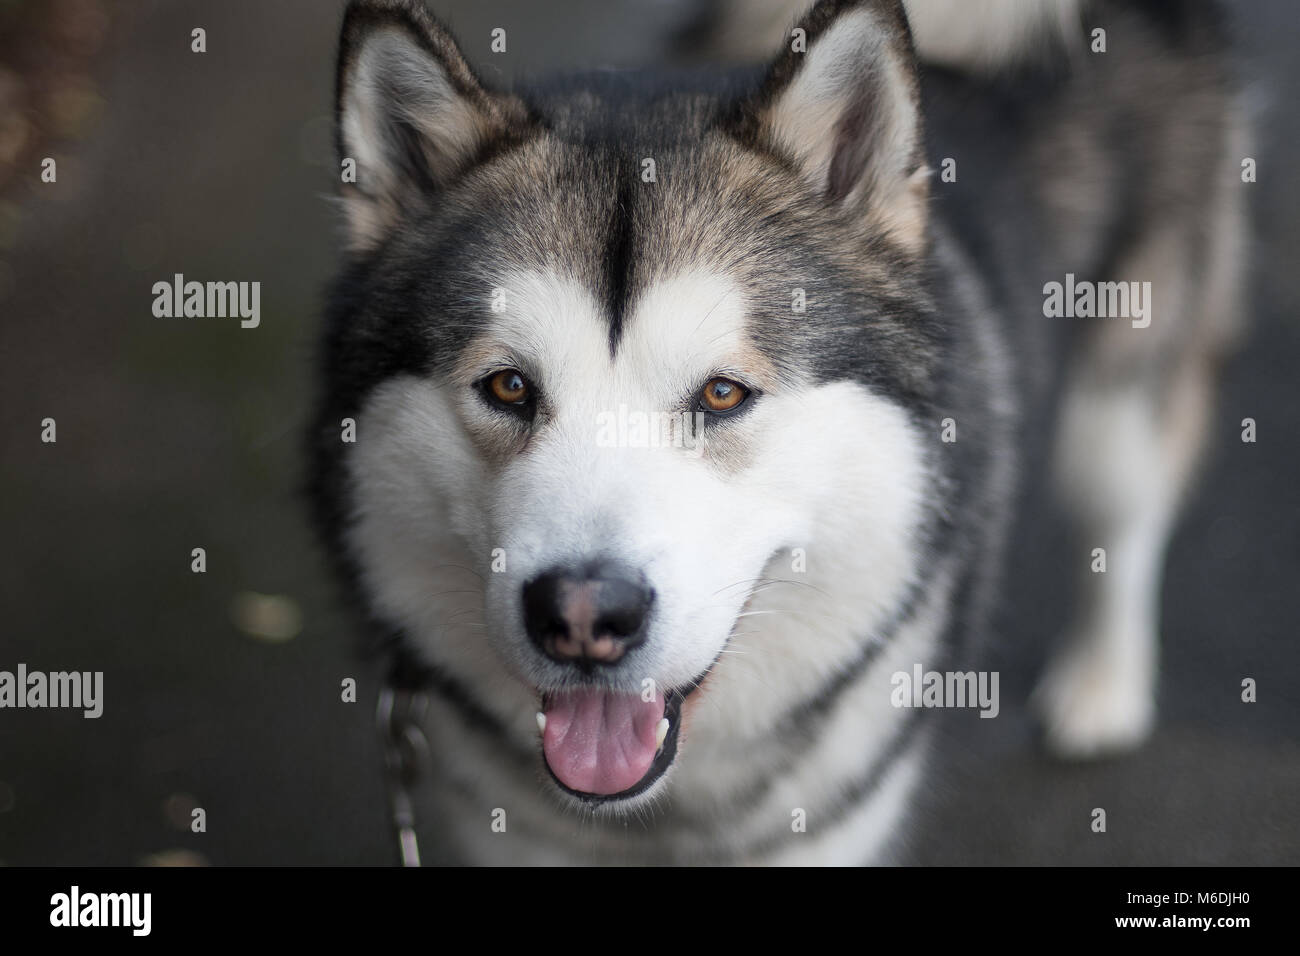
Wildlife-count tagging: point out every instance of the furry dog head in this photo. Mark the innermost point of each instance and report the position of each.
(624, 359)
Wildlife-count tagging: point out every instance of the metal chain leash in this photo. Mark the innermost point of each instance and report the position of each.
(400, 717)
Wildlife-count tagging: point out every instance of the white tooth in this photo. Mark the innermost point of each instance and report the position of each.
(661, 732)
(541, 721)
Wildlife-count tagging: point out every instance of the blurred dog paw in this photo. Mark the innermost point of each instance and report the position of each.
(1098, 699)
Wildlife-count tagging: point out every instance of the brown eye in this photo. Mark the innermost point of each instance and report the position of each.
(508, 387)
(722, 395)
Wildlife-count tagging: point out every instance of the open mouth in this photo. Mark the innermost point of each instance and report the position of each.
(601, 746)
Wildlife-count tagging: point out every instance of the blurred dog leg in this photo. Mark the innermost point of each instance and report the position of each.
(1135, 417)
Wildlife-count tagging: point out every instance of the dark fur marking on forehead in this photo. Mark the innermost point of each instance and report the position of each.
(619, 255)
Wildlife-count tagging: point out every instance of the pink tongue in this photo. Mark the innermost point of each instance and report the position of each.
(598, 742)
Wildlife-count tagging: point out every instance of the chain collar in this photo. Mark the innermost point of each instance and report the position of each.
(400, 718)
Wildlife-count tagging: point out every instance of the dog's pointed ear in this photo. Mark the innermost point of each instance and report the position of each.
(842, 103)
(410, 113)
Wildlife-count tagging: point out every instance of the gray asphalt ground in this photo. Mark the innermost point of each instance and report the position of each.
(175, 435)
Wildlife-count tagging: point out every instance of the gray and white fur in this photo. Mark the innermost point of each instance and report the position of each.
(821, 536)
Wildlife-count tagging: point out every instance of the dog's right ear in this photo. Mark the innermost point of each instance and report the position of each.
(841, 105)
(410, 113)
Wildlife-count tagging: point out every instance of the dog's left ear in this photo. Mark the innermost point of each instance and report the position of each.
(411, 114)
(842, 103)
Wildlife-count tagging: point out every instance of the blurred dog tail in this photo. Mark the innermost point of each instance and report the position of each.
(988, 35)
(979, 35)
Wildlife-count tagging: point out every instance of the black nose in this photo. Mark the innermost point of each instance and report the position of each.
(593, 615)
